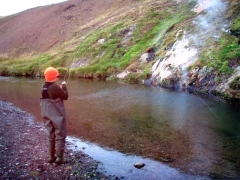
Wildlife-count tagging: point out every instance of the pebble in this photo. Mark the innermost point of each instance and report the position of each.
(139, 165)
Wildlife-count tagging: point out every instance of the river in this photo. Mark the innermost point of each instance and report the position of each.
(176, 134)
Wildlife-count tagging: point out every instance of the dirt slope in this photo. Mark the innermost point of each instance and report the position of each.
(42, 28)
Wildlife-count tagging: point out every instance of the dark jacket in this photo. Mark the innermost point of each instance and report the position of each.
(53, 91)
(53, 111)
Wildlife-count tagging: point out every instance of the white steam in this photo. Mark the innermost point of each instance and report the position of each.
(210, 21)
(209, 25)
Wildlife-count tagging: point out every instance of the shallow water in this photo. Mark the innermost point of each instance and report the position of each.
(177, 130)
(122, 165)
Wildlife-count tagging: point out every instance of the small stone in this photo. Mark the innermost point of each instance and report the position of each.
(139, 165)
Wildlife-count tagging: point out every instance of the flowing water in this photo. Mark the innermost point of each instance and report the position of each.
(175, 134)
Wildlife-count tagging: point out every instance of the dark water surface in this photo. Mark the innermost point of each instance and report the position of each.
(176, 134)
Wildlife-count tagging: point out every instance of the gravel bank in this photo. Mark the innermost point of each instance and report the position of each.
(23, 151)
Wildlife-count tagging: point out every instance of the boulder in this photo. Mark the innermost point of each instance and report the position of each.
(231, 87)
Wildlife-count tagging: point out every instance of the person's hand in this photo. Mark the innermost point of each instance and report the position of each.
(63, 83)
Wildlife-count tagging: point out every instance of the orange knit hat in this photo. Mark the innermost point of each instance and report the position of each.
(51, 74)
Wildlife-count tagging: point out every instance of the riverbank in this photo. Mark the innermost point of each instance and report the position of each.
(23, 151)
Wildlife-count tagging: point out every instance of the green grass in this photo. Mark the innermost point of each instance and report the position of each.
(227, 49)
(156, 29)
(115, 58)
(30, 67)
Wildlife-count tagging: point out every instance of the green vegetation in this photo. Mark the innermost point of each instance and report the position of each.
(219, 54)
(30, 67)
(156, 28)
(228, 49)
(236, 24)
(116, 58)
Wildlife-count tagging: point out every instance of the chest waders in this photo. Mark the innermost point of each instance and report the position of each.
(53, 115)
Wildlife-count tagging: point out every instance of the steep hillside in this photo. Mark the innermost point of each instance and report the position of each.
(178, 44)
(40, 29)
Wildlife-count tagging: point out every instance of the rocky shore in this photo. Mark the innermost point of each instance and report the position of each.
(23, 151)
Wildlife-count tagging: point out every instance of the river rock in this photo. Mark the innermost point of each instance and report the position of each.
(231, 87)
(143, 58)
(147, 56)
(123, 74)
(173, 78)
(139, 165)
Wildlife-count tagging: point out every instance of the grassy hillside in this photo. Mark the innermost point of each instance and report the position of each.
(114, 40)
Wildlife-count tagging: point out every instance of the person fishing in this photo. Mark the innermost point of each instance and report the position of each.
(53, 114)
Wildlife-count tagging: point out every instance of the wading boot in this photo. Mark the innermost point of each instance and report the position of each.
(60, 151)
(51, 151)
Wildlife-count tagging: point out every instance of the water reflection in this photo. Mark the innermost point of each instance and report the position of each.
(121, 165)
(171, 127)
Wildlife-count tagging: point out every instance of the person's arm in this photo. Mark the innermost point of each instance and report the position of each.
(55, 92)
(63, 86)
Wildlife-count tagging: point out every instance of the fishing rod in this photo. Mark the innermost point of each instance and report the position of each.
(68, 72)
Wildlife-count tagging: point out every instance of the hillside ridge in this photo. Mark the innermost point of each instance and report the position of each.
(40, 29)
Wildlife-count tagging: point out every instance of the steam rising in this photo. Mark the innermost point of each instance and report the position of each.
(209, 25)
(211, 20)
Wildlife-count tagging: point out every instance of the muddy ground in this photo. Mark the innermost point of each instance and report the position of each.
(23, 151)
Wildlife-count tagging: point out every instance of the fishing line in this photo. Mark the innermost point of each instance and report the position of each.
(68, 72)
(204, 103)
